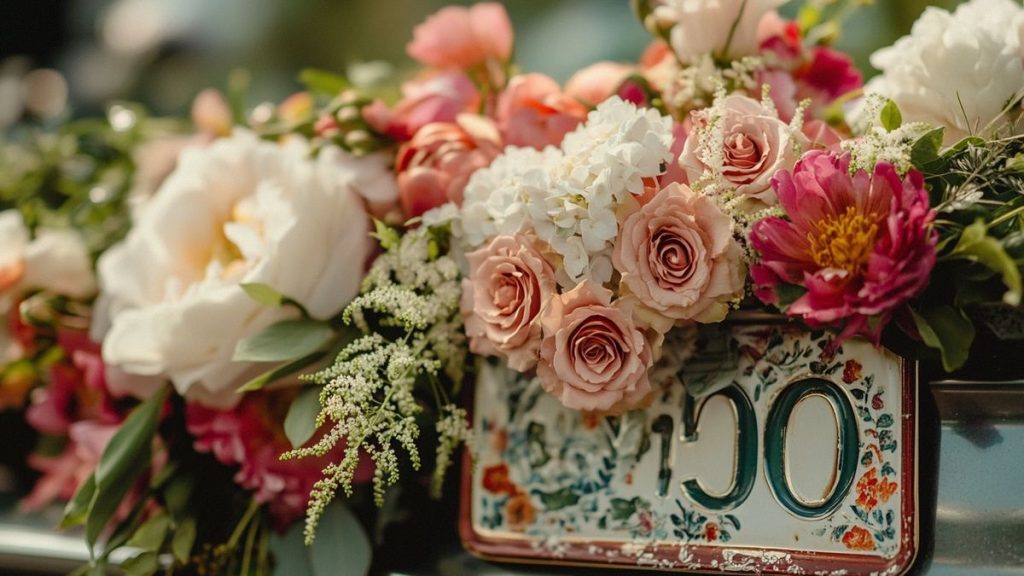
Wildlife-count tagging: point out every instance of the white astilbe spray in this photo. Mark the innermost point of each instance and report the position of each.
(452, 431)
(568, 197)
(879, 144)
(409, 313)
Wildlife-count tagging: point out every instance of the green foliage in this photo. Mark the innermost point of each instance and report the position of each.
(408, 310)
(891, 117)
(284, 341)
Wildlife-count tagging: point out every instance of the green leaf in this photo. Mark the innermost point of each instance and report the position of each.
(925, 151)
(386, 235)
(322, 81)
(280, 372)
(125, 458)
(286, 340)
(77, 508)
(341, 547)
(151, 534)
(977, 246)
(177, 494)
(300, 422)
(263, 294)
(291, 555)
(622, 509)
(184, 538)
(884, 421)
(947, 330)
(891, 117)
(145, 564)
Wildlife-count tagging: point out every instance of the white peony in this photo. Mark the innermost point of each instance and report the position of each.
(724, 28)
(956, 70)
(239, 210)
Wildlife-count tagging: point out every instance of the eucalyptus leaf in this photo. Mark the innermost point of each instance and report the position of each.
(300, 422)
(291, 555)
(341, 547)
(286, 340)
(949, 331)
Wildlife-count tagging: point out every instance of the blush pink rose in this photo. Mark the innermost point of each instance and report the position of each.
(508, 285)
(533, 111)
(755, 146)
(593, 357)
(435, 96)
(435, 165)
(459, 37)
(678, 258)
(597, 82)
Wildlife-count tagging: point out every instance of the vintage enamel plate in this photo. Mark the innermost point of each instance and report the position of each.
(804, 463)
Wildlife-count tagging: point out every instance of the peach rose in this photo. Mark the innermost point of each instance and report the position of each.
(509, 282)
(458, 37)
(678, 259)
(435, 165)
(593, 356)
(533, 111)
(595, 83)
(755, 146)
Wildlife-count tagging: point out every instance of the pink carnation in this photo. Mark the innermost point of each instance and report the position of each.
(458, 37)
(860, 245)
(251, 436)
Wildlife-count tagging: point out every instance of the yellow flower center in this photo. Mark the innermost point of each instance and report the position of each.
(844, 241)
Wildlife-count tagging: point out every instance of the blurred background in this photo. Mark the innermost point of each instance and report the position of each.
(61, 58)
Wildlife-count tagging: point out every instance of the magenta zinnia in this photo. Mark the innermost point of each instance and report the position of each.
(858, 245)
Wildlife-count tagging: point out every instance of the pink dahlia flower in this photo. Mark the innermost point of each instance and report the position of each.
(860, 245)
(460, 37)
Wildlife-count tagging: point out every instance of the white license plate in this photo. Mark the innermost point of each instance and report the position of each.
(803, 464)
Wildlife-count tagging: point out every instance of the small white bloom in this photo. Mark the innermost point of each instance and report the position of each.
(240, 210)
(55, 260)
(957, 70)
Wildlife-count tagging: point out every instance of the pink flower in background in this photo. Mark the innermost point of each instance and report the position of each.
(597, 82)
(435, 165)
(509, 283)
(64, 473)
(459, 37)
(795, 74)
(593, 356)
(533, 111)
(251, 436)
(860, 245)
(435, 96)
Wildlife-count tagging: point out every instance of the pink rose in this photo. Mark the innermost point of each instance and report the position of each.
(593, 356)
(435, 165)
(533, 111)
(509, 283)
(435, 96)
(458, 37)
(755, 146)
(597, 82)
(678, 258)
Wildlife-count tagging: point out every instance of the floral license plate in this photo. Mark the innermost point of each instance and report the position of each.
(803, 463)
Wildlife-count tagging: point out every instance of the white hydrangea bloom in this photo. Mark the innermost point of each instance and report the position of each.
(956, 70)
(569, 197)
(494, 200)
(604, 162)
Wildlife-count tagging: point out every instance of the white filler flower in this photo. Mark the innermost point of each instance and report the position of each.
(239, 211)
(957, 70)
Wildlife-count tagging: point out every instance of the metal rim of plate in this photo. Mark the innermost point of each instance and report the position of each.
(715, 559)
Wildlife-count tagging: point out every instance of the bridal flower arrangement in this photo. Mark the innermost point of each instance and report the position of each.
(222, 326)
